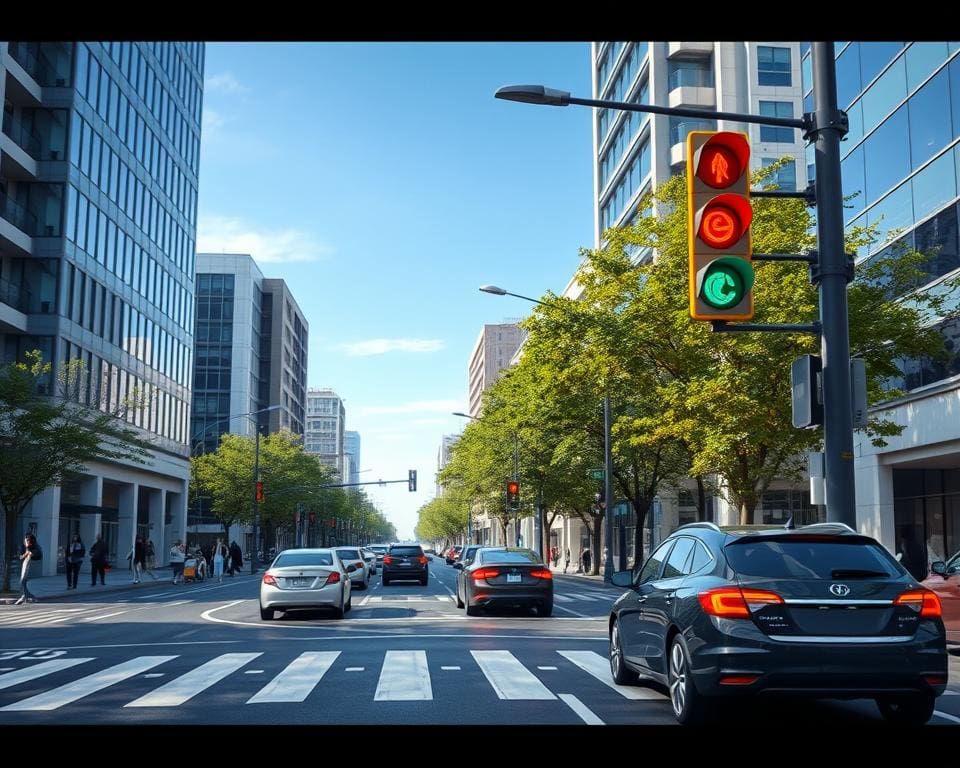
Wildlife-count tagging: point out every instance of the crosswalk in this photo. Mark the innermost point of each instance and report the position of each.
(52, 615)
(401, 676)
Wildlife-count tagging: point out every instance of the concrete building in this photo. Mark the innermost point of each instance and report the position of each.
(324, 435)
(99, 156)
(283, 359)
(492, 352)
(443, 457)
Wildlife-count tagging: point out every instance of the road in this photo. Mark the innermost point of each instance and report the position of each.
(199, 654)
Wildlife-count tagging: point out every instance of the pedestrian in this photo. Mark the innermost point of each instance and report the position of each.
(30, 557)
(75, 553)
(219, 550)
(913, 555)
(566, 560)
(586, 560)
(151, 557)
(236, 557)
(98, 561)
(176, 560)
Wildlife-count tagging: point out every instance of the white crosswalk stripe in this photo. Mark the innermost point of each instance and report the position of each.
(562, 598)
(405, 676)
(299, 678)
(19, 676)
(196, 681)
(509, 678)
(598, 666)
(582, 596)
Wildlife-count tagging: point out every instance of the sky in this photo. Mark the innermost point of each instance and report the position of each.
(385, 184)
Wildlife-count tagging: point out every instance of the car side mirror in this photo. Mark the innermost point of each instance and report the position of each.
(939, 567)
(458, 566)
(351, 568)
(622, 579)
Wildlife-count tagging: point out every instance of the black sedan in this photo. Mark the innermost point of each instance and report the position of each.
(818, 611)
(508, 578)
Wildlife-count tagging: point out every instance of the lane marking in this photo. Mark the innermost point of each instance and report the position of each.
(197, 680)
(404, 676)
(581, 709)
(37, 670)
(509, 678)
(599, 667)
(354, 669)
(297, 679)
(945, 716)
(450, 669)
(548, 669)
(103, 616)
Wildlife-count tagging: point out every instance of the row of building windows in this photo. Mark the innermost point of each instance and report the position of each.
(215, 284)
(637, 171)
(92, 231)
(619, 87)
(629, 127)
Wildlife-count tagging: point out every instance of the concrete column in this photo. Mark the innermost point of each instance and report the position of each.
(127, 517)
(43, 514)
(157, 511)
(874, 494)
(177, 507)
(91, 494)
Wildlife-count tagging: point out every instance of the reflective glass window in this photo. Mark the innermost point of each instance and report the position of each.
(929, 110)
(884, 95)
(885, 157)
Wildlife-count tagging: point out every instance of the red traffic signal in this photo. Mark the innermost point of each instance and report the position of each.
(513, 494)
(259, 492)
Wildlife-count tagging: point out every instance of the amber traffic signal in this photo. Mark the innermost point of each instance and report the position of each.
(719, 214)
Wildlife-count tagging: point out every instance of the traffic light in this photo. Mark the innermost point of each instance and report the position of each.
(513, 494)
(718, 225)
(411, 480)
(259, 492)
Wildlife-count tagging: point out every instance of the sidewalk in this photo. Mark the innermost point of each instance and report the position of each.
(585, 577)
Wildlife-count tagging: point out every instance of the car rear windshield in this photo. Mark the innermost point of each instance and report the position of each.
(406, 551)
(349, 554)
(523, 556)
(294, 559)
(810, 559)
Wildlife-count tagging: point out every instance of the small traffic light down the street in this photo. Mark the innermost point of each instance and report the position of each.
(259, 492)
(719, 214)
(513, 494)
(411, 480)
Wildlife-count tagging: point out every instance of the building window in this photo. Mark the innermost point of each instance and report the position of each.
(775, 132)
(785, 178)
(689, 73)
(773, 65)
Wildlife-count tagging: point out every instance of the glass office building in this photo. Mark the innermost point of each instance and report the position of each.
(99, 159)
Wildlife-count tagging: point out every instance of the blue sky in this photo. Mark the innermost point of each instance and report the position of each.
(384, 183)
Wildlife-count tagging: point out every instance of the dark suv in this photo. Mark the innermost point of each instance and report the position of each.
(404, 562)
(819, 611)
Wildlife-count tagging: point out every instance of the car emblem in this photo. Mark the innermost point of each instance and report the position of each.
(840, 590)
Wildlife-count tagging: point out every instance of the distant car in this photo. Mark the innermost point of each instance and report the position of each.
(405, 562)
(379, 550)
(371, 560)
(300, 579)
(819, 611)
(505, 577)
(466, 555)
(452, 554)
(944, 579)
(351, 556)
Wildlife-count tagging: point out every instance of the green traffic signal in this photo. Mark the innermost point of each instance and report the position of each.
(725, 282)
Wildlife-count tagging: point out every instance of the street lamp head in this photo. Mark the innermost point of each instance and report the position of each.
(534, 94)
(494, 289)
(465, 415)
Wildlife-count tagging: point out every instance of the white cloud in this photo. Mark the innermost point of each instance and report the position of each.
(212, 119)
(225, 82)
(382, 346)
(223, 234)
(415, 406)
(431, 422)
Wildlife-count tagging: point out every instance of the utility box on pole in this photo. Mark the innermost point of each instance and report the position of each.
(806, 391)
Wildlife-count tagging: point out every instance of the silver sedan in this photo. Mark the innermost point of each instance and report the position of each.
(300, 579)
(352, 556)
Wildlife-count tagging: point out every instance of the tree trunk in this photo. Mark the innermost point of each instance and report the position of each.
(701, 500)
(641, 517)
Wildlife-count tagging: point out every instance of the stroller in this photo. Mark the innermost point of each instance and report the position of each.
(194, 568)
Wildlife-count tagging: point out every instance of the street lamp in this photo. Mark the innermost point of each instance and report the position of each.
(608, 566)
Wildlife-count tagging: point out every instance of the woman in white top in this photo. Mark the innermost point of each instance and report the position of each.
(218, 551)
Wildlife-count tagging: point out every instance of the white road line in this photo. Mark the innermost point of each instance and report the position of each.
(548, 669)
(443, 597)
(253, 671)
(185, 687)
(509, 678)
(599, 667)
(450, 669)
(177, 602)
(37, 670)
(151, 675)
(404, 676)
(103, 616)
(67, 694)
(298, 679)
(354, 669)
(945, 716)
(365, 600)
(581, 709)
(581, 596)
(562, 598)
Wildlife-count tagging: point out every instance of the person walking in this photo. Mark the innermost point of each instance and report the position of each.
(151, 557)
(98, 561)
(236, 557)
(30, 557)
(177, 557)
(139, 553)
(566, 560)
(586, 560)
(219, 551)
(75, 553)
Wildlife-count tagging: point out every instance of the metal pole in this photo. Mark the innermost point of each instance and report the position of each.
(516, 477)
(830, 125)
(607, 489)
(256, 505)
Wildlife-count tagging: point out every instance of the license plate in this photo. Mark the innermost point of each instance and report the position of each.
(300, 582)
(514, 578)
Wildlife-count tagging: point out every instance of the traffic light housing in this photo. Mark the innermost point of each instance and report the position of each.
(719, 214)
(513, 494)
(411, 480)
(259, 492)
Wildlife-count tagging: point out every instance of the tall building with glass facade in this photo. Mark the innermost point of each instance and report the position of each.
(351, 447)
(99, 157)
(901, 160)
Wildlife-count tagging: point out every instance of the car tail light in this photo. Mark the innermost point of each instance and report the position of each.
(935, 679)
(543, 573)
(333, 578)
(268, 579)
(387, 559)
(422, 559)
(739, 679)
(734, 603)
(923, 600)
(484, 573)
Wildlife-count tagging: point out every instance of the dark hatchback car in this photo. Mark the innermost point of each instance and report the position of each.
(505, 577)
(819, 611)
(404, 562)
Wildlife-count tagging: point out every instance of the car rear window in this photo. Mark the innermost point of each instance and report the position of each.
(349, 554)
(522, 556)
(294, 559)
(810, 559)
(406, 551)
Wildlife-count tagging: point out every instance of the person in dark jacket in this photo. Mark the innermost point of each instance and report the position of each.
(236, 557)
(98, 561)
(75, 553)
(30, 557)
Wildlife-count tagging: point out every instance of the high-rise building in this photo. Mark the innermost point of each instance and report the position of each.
(492, 352)
(443, 457)
(324, 434)
(99, 158)
(351, 447)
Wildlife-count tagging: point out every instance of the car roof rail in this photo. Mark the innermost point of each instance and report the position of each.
(831, 525)
(701, 524)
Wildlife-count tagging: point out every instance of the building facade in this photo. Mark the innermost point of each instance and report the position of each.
(99, 158)
(351, 447)
(283, 359)
(492, 352)
(324, 435)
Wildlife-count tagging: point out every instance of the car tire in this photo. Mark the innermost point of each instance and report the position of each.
(545, 611)
(907, 710)
(619, 671)
(338, 612)
(349, 605)
(266, 614)
(473, 610)
(460, 602)
(689, 705)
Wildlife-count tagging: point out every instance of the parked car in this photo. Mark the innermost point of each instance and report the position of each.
(944, 579)
(351, 556)
(379, 550)
(370, 558)
(820, 611)
(405, 562)
(505, 577)
(452, 554)
(300, 579)
(466, 556)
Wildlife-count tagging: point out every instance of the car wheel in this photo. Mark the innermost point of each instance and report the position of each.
(266, 613)
(349, 604)
(907, 710)
(689, 705)
(459, 601)
(338, 612)
(618, 668)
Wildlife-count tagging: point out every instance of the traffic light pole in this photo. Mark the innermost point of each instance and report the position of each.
(516, 478)
(834, 273)
(256, 503)
(608, 568)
